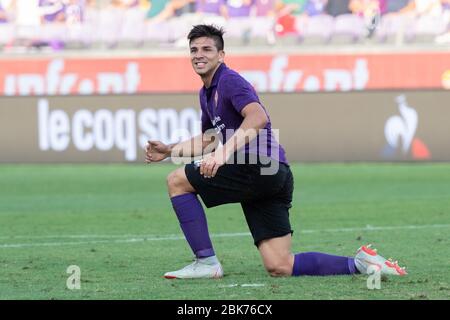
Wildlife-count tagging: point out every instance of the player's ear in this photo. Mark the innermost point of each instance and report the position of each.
(221, 55)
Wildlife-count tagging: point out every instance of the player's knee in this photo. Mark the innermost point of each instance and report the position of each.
(176, 181)
(173, 179)
(279, 268)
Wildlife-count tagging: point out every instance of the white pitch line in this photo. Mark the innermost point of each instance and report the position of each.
(55, 244)
(112, 236)
(176, 236)
(142, 238)
(383, 228)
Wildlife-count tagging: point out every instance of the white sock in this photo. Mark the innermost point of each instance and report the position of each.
(209, 260)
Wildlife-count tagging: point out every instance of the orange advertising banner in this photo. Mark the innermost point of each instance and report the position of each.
(267, 73)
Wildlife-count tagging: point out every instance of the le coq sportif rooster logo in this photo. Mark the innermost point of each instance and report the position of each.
(400, 133)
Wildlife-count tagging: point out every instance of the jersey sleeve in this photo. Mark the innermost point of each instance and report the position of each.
(239, 91)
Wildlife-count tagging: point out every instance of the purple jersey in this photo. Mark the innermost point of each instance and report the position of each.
(238, 8)
(2, 15)
(51, 9)
(315, 7)
(208, 6)
(222, 104)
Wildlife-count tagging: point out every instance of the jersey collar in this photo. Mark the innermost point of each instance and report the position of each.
(216, 77)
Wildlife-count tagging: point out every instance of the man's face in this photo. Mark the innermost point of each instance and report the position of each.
(205, 56)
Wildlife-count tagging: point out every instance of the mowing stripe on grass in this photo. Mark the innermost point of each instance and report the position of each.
(130, 240)
(176, 236)
(142, 238)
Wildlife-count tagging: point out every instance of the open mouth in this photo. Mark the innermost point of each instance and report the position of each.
(200, 64)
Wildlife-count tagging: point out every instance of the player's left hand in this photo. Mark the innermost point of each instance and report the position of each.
(212, 162)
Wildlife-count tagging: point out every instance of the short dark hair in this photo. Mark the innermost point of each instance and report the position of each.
(209, 31)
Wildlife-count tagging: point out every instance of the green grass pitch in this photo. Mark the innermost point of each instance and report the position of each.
(116, 223)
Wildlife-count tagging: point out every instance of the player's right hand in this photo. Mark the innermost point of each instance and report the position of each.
(156, 151)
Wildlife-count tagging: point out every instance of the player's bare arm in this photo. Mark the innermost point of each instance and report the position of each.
(156, 151)
(255, 119)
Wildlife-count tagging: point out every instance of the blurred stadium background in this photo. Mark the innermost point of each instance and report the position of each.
(97, 78)
(89, 82)
(90, 24)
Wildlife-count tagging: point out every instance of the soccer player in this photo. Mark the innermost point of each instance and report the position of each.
(261, 180)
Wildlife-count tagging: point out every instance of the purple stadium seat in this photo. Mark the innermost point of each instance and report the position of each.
(88, 33)
(76, 34)
(400, 27)
(320, 26)
(133, 25)
(6, 33)
(236, 26)
(52, 31)
(262, 31)
(261, 26)
(27, 32)
(110, 24)
(349, 27)
(429, 26)
(157, 32)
